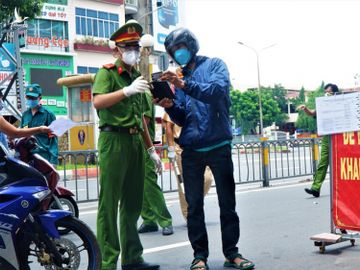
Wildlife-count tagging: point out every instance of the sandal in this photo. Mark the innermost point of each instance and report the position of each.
(194, 265)
(244, 265)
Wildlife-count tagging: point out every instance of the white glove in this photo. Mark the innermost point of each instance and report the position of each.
(155, 157)
(138, 86)
(171, 152)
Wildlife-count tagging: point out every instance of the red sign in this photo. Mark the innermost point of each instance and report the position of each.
(46, 42)
(85, 95)
(346, 180)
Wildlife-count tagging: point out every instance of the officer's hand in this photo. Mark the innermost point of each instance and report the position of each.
(165, 102)
(171, 152)
(138, 86)
(301, 107)
(155, 157)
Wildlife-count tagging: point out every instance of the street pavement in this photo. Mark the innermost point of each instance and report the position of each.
(276, 224)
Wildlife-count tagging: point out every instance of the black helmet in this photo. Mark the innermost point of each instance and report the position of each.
(181, 35)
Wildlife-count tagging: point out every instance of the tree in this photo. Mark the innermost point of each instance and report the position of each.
(304, 121)
(302, 95)
(245, 109)
(26, 8)
(279, 94)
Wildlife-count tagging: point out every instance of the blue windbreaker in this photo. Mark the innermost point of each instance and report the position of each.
(202, 107)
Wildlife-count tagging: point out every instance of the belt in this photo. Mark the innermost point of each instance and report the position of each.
(132, 130)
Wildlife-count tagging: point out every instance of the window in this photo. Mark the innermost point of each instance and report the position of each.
(47, 78)
(84, 70)
(48, 34)
(94, 23)
(80, 111)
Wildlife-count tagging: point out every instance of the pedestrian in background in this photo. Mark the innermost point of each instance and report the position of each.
(320, 174)
(37, 115)
(201, 107)
(172, 132)
(154, 210)
(120, 102)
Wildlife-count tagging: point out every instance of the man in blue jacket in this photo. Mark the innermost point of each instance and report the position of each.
(201, 108)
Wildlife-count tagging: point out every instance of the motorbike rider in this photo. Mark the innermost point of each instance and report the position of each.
(201, 108)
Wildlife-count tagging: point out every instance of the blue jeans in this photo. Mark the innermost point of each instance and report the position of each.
(220, 162)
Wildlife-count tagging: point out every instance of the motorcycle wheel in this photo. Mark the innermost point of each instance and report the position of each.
(68, 204)
(79, 249)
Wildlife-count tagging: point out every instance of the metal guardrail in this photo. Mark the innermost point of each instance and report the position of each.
(253, 162)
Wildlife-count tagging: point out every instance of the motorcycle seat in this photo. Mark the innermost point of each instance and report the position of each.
(16, 170)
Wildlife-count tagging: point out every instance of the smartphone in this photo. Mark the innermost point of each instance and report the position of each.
(156, 76)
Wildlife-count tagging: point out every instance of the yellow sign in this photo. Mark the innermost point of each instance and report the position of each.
(82, 138)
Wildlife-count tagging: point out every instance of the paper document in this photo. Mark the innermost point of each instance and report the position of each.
(338, 114)
(61, 125)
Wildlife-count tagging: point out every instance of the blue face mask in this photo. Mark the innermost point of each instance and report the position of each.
(182, 56)
(32, 103)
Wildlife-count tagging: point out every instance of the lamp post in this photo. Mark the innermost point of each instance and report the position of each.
(259, 85)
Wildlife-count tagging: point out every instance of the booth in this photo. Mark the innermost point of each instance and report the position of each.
(80, 110)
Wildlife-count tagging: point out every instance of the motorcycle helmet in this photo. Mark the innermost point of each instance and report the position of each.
(179, 36)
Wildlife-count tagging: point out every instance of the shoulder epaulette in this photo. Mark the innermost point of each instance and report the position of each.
(109, 66)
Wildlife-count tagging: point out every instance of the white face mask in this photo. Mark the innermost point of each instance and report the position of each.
(327, 94)
(131, 57)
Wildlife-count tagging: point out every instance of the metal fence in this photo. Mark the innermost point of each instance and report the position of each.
(253, 162)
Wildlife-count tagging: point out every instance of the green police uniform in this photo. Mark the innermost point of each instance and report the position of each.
(321, 171)
(121, 156)
(154, 210)
(43, 117)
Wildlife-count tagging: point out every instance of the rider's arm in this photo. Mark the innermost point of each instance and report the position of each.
(14, 132)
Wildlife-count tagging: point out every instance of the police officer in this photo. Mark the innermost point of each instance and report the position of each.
(36, 115)
(154, 210)
(320, 174)
(120, 101)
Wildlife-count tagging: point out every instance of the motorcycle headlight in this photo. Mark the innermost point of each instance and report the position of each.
(42, 194)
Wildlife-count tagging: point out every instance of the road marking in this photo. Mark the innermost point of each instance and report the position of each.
(167, 247)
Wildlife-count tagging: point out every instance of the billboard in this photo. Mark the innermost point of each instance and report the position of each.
(169, 16)
(346, 180)
(7, 68)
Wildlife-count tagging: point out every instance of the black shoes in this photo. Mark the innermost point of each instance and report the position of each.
(145, 228)
(140, 266)
(168, 230)
(310, 191)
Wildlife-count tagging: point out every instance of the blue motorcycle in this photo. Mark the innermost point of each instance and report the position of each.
(29, 233)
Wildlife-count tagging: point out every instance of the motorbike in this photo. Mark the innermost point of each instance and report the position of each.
(62, 198)
(29, 230)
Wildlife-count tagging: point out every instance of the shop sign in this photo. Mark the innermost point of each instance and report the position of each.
(47, 42)
(85, 95)
(346, 180)
(5, 63)
(46, 62)
(54, 12)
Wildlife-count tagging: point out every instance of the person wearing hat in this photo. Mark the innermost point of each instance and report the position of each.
(320, 174)
(36, 115)
(201, 107)
(119, 98)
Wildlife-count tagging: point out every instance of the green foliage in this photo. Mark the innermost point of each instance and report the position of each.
(245, 108)
(304, 121)
(302, 94)
(26, 8)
